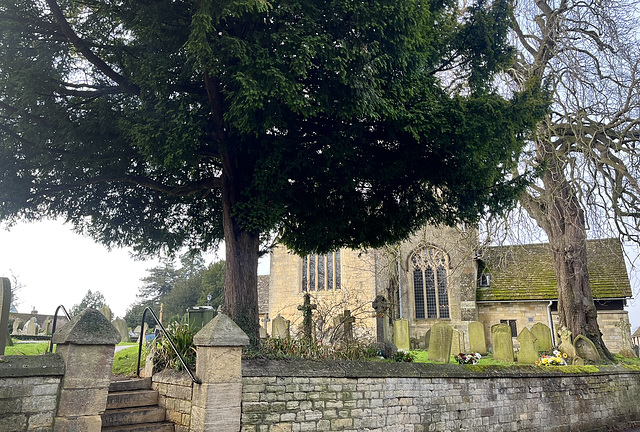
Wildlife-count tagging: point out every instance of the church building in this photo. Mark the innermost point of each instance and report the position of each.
(441, 274)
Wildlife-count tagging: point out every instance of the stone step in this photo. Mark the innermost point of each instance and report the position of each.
(135, 398)
(130, 384)
(132, 416)
(146, 427)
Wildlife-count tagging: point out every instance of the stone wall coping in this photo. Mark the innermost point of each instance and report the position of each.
(89, 327)
(172, 377)
(18, 366)
(365, 369)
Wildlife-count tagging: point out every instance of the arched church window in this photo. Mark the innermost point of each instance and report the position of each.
(430, 285)
(321, 272)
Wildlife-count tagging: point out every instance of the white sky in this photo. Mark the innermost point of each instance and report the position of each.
(57, 266)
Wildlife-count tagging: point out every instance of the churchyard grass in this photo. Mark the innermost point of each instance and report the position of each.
(26, 348)
(125, 361)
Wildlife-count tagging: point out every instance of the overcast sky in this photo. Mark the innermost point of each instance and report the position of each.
(57, 266)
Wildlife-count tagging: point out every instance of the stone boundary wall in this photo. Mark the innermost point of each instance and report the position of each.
(174, 395)
(29, 387)
(381, 397)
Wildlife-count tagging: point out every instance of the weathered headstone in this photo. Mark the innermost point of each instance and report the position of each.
(427, 336)
(104, 310)
(586, 349)
(456, 348)
(528, 353)
(401, 336)
(121, 325)
(383, 337)
(307, 316)
(30, 327)
(625, 332)
(280, 327)
(565, 343)
(345, 321)
(5, 300)
(143, 333)
(440, 343)
(502, 343)
(46, 326)
(543, 337)
(477, 341)
(17, 325)
(265, 321)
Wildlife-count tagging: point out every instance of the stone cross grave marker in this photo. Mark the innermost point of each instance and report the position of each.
(477, 341)
(5, 300)
(383, 336)
(263, 330)
(401, 335)
(502, 343)
(280, 327)
(307, 316)
(440, 343)
(565, 343)
(528, 353)
(543, 337)
(586, 349)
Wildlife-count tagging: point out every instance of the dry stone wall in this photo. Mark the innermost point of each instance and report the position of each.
(341, 396)
(29, 388)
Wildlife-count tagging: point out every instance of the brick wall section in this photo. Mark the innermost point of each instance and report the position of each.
(29, 388)
(174, 395)
(342, 396)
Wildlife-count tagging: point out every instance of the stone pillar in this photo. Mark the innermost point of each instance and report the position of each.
(86, 345)
(5, 300)
(216, 403)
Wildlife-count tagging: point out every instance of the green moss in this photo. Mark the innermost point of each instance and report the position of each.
(480, 368)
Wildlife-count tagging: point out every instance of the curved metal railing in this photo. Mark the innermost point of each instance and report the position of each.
(173, 345)
(55, 321)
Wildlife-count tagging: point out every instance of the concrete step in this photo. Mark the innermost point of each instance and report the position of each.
(132, 416)
(147, 427)
(135, 398)
(130, 384)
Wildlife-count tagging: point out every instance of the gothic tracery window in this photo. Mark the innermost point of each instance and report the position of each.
(321, 272)
(430, 285)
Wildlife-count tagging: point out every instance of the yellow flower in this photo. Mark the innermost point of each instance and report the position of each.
(564, 355)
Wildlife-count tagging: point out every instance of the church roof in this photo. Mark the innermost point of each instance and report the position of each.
(525, 272)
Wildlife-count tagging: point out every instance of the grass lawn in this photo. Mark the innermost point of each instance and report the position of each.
(26, 348)
(125, 361)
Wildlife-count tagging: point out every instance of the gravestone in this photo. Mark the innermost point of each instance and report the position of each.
(427, 336)
(31, 327)
(477, 341)
(401, 336)
(565, 343)
(46, 326)
(280, 327)
(502, 342)
(383, 334)
(456, 347)
(265, 321)
(625, 332)
(345, 321)
(543, 337)
(440, 343)
(121, 326)
(104, 310)
(586, 349)
(17, 325)
(307, 316)
(143, 332)
(5, 300)
(528, 353)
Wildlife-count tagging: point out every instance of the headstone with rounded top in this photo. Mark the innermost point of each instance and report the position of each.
(440, 343)
(477, 341)
(586, 349)
(104, 310)
(543, 337)
(502, 343)
(528, 353)
(31, 327)
(121, 325)
(280, 327)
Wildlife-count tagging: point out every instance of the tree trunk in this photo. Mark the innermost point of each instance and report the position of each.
(558, 212)
(241, 265)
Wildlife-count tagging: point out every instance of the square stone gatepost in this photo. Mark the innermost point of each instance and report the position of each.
(86, 345)
(216, 403)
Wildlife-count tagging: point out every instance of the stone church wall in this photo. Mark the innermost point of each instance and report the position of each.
(288, 397)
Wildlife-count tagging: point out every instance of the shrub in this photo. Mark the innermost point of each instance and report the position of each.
(164, 357)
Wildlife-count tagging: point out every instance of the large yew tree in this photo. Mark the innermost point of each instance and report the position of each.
(169, 123)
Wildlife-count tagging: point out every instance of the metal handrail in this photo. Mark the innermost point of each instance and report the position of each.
(155, 317)
(55, 320)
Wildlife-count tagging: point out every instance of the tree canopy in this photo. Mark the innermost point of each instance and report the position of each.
(92, 299)
(327, 123)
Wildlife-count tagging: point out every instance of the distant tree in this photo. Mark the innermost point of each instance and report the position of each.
(159, 282)
(133, 315)
(334, 124)
(213, 284)
(91, 299)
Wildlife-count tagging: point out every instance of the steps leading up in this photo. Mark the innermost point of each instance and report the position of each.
(133, 407)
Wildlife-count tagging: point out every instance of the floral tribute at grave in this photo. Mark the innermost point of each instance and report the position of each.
(472, 358)
(556, 358)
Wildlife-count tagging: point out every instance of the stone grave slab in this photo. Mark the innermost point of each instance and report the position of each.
(477, 340)
(502, 343)
(401, 336)
(543, 337)
(440, 343)
(528, 353)
(280, 327)
(455, 343)
(586, 349)
(121, 325)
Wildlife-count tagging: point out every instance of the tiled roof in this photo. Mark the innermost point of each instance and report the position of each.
(263, 294)
(525, 272)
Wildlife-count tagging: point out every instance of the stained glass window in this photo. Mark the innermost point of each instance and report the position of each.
(430, 287)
